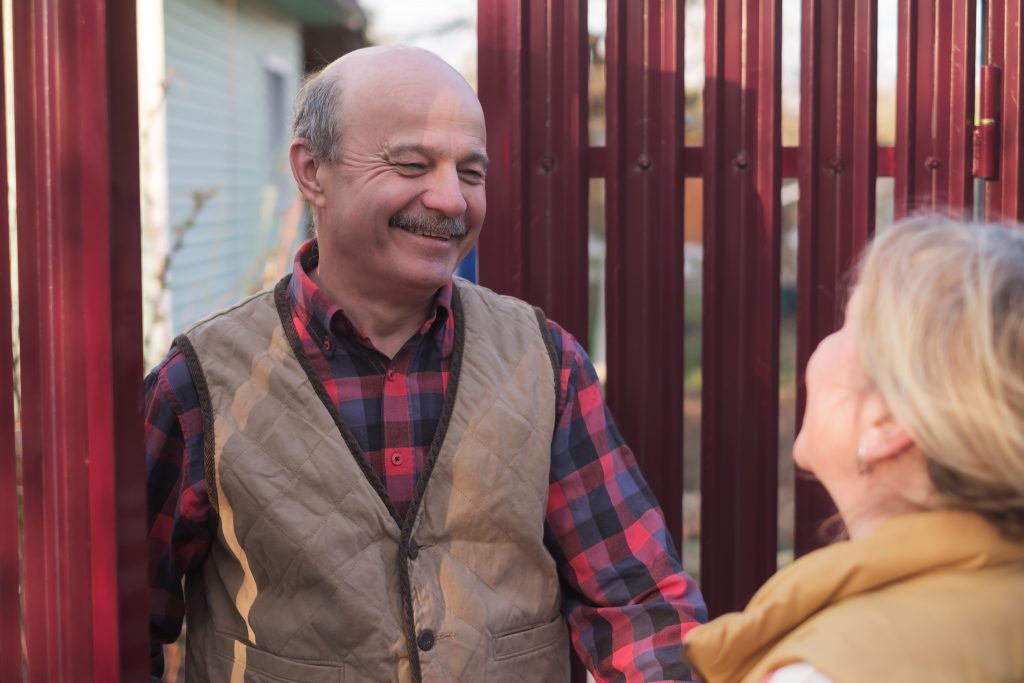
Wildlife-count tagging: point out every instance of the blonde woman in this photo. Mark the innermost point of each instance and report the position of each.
(915, 426)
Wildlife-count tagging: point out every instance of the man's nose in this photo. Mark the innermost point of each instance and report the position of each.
(445, 193)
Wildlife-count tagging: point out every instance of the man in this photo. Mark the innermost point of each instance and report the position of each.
(374, 473)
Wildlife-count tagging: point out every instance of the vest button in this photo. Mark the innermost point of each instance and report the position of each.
(426, 640)
(413, 548)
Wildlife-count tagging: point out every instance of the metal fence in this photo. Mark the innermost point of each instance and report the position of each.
(83, 516)
(79, 593)
(533, 83)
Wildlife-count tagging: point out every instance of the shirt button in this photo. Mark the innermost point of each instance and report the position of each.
(413, 549)
(426, 640)
(391, 375)
(396, 458)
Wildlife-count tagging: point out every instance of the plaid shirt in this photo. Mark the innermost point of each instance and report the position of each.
(627, 601)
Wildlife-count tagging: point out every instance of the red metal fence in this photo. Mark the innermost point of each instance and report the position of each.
(539, 144)
(83, 576)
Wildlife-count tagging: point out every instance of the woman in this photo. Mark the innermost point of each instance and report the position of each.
(915, 426)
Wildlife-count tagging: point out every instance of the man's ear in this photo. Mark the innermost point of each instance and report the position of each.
(304, 169)
(884, 440)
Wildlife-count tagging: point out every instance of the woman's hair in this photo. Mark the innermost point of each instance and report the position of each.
(941, 325)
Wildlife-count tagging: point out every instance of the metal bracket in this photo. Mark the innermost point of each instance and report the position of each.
(986, 130)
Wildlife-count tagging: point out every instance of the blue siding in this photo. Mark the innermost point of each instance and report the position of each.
(218, 120)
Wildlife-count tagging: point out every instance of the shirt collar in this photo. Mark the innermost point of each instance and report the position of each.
(318, 311)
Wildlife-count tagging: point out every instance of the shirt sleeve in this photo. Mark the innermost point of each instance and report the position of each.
(626, 598)
(177, 502)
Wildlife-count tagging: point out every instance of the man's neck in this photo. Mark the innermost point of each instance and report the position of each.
(388, 322)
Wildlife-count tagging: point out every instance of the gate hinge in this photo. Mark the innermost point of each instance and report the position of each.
(986, 130)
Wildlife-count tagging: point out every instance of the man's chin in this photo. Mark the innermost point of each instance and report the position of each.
(424, 279)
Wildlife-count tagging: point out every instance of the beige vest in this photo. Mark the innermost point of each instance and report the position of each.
(312, 577)
(930, 597)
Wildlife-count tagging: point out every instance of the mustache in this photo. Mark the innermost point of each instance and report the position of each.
(440, 225)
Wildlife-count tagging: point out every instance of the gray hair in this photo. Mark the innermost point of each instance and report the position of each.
(941, 326)
(315, 117)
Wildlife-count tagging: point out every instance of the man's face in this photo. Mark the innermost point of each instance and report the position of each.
(405, 202)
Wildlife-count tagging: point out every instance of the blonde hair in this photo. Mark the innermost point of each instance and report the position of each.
(941, 325)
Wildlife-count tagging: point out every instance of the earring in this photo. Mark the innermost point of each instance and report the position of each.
(863, 467)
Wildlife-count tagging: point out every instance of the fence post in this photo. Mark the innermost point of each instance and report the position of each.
(81, 339)
(742, 181)
(533, 61)
(10, 609)
(838, 169)
(644, 273)
(533, 64)
(935, 106)
(1004, 197)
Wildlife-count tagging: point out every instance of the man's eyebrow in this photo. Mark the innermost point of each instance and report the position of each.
(398, 150)
(477, 158)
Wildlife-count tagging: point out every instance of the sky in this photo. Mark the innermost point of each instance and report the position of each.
(446, 27)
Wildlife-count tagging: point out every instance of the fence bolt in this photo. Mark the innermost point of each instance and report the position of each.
(932, 162)
(836, 165)
(547, 163)
(741, 161)
(643, 162)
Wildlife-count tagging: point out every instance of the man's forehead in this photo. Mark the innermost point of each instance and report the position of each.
(412, 99)
(415, 116)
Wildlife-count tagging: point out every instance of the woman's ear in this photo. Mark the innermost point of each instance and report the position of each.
(884, 440)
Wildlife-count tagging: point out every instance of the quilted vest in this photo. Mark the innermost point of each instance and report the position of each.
(312, 576)
(930, 596)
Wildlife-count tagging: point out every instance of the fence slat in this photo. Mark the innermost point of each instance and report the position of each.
(80, 296)
(56, 523)
(118, 475)
(533, 59)
(10, 610)
(742, 165)
(1003, 197)
(644, 209)
(501, 90)
(838, 168)
(556, 162)
(935, 106)
(533, 86)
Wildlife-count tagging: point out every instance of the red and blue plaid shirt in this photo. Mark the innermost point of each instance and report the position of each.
(627, 600)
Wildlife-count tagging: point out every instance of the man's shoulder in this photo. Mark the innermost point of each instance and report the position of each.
(262, 301)
(462, 286)
(494, 299)
(170, 382)
(561, 338)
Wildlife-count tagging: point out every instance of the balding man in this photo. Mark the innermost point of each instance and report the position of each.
(376, 473)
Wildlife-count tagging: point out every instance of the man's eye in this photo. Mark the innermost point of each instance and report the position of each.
(472, 174)
(412, 167)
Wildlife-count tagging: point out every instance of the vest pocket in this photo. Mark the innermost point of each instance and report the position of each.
(524, 641)
(252, 665)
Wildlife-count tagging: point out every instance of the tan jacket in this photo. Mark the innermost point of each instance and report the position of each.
(312, 577)
(933, 596)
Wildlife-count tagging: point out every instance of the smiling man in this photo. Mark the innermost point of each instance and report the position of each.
(376, 473)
